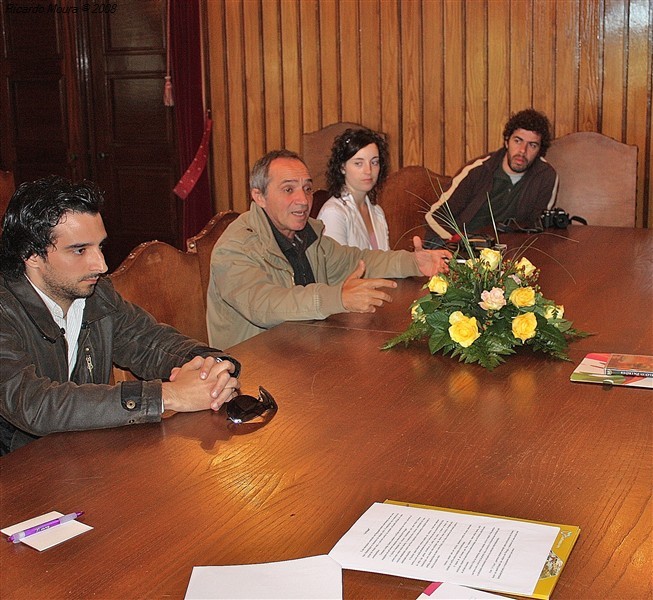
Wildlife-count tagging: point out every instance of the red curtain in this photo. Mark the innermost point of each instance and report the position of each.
(186, 71)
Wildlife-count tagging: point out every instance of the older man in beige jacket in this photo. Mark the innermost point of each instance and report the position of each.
(273, 263)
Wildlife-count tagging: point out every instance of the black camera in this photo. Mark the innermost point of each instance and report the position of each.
(555, 217)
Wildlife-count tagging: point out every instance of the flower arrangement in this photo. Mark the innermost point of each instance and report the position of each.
(485, 308)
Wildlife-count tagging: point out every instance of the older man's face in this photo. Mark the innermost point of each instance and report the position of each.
(289, 196)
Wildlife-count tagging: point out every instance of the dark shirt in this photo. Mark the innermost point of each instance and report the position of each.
(295, 251)
(504, 198)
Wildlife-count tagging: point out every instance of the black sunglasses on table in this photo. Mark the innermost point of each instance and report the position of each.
(244, 408)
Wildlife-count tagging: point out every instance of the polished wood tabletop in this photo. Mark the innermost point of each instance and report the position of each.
(357, 425)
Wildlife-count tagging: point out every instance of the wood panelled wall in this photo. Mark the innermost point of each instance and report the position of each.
(440, 77)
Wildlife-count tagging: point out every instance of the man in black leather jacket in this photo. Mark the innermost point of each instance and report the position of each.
(63, 326)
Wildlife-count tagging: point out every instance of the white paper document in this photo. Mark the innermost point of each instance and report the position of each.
(50, 537)
(483, 552)
(316, 577)
(451, 591)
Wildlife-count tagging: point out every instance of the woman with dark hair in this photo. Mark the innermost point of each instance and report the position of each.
(357, 169)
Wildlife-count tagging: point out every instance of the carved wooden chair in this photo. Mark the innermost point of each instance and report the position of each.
(170, 284)
(165, 282)
(406, 196)
(597, 178)
(202, 245)
(319, 198)
(316, 149)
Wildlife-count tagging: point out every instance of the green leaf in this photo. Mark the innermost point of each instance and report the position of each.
(439, 339)
(550, 340)
(511, 286)
(415, 331)
(438, 320)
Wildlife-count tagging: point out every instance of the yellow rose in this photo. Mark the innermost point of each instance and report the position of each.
(523, 296)
(525, 266)
(463, 330)
(524, 326)
(554, 312)
(438, 285)
(490, 258)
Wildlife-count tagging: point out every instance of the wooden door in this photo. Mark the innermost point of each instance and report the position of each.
(133, 149)
(82, 96)
(41, 132)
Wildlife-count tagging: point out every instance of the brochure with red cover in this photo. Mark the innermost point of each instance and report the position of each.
(630, 364)
(592, 370)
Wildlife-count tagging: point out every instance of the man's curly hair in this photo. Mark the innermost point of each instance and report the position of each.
(531, 120)
(347, 145)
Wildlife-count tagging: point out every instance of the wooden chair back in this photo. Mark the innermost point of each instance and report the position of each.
(7, 189)
(405, 197)
(202, 245)
(319, 198)
(166, 283)
(170, 284)
(597, 178)
(316, 149)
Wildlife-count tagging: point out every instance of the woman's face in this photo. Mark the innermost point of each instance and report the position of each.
(362, 170)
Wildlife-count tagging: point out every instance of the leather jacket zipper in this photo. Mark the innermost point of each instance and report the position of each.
(89, 363)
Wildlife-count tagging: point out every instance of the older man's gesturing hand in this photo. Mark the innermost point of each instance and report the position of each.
(364, 295)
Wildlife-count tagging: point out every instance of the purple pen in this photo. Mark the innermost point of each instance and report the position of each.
(19, 535)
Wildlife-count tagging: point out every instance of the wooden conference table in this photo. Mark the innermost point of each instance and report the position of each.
(356, 425)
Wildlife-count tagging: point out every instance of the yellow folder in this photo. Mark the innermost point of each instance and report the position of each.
(558, 554)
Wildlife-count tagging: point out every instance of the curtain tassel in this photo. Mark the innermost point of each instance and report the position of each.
(167, 92)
